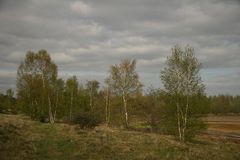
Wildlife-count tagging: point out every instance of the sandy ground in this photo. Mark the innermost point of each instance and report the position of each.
(223, 127)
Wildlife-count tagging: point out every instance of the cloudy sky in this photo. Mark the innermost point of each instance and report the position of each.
(85, 37)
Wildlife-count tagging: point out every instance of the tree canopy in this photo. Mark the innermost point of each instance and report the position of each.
(36, 76)
(182, 82)
(124, 80)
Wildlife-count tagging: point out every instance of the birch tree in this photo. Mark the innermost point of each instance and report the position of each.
(92, 87)
(124, 80)
(72, 91)
(107, 95)
(57, 96)
(182, 82)
(35, 78)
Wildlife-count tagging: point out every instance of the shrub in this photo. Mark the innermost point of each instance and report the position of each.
(86, 120)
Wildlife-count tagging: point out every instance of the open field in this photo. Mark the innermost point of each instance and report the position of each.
(21, 138)
(228, 124)
(226, 127)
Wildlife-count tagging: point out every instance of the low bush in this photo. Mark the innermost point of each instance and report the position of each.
(86, 120)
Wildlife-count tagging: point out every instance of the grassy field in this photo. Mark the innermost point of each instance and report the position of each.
(21, 138)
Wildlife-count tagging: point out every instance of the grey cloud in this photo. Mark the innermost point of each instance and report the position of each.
(88, 36)
(7, 80)
(225, 83)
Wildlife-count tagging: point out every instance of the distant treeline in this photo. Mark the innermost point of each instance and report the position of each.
(141, 106)
(8, 104)
(224, 104)
(218, 104)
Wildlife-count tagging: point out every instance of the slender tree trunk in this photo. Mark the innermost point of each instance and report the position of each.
(185, 118)
(50, 111)
(43, 98)
(109, 114)
(71, 104)
(125, 110)
(106, 113)
(91, 102)
(179, 123)
(55, 111)
(91, 97)
(107, 110)
(187, 105)
(182, 123)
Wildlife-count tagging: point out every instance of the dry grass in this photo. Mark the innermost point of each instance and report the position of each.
(33, 140)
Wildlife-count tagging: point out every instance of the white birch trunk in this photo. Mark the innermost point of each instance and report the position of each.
(107, 107)
(71, 104)
(55, 111)
(125, 110)
(179, 123)
(51, 120)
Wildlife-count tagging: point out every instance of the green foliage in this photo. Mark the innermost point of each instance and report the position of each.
(8, 102)
(10, 93)
(223, 104)
(184, 87)
(45, 97)
(181, 76)
(92, 88)
(71, 94)
(124, 81)
(35, 84)
(123, 77)
(86, 120)
(116, 110)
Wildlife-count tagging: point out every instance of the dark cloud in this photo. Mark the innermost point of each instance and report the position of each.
(88, 36)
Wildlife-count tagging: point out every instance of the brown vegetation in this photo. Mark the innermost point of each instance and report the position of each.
(22, 138)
